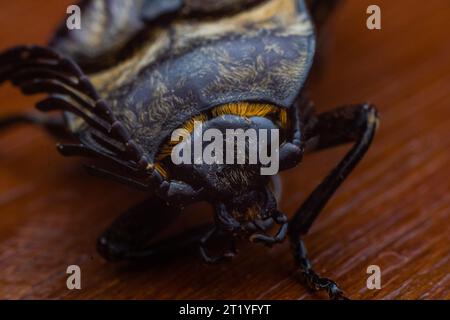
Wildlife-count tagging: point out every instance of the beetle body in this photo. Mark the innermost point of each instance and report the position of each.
(138, 71)
(250, 63)
(190, 67)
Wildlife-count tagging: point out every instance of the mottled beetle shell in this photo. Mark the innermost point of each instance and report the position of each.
(160, 63)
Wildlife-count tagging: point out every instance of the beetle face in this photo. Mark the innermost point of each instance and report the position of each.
(230, 156)
(244, 204)
(232, 147)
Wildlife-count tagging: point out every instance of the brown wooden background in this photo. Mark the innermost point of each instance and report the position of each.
(392, 212)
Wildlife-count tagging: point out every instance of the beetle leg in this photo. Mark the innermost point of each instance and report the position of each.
(40, 70)
(343, 125)
(131, 235)
(225, 220)
(69, 150)
(280, 236)
(175, 245)
(291, 152)
(180, 192)
(209, 236)
(103, 173)
(310, 278)
(225, 226)
(37, 69)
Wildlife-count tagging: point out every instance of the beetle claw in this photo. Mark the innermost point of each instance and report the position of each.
(227, 255)
(269, 241)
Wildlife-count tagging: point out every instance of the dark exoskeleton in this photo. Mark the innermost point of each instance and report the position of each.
(138, 70)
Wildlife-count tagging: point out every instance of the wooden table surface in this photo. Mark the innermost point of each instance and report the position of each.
(392, 212)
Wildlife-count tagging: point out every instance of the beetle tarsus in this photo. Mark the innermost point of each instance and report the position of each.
(310, 278)
(316, 283)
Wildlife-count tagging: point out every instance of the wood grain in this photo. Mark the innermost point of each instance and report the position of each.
(392, 212)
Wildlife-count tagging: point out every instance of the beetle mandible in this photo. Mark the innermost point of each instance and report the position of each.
(138, 70)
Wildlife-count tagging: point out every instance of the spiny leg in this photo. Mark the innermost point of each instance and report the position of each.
(343, 125)
(132, 235)
(37, 70)
(225, 227)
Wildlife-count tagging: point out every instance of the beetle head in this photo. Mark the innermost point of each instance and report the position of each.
(229, 155)
(244, 203)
